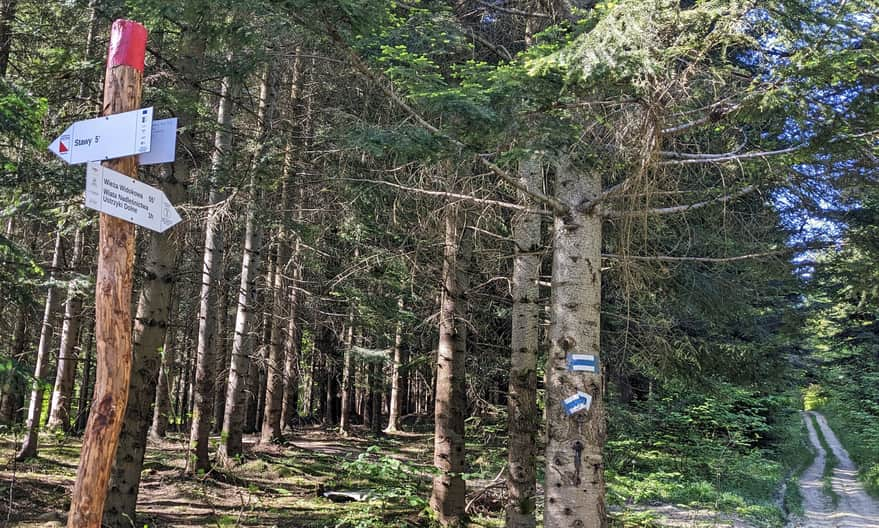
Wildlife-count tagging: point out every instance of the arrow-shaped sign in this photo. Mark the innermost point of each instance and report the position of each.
(104, 138)
(118, 195)
(578, 402)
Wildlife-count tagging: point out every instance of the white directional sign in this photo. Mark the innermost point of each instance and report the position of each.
(163, 143)
(107, 137)
(118, 195)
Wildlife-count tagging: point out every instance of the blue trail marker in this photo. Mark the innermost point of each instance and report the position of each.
(578, 402)
(582, 363)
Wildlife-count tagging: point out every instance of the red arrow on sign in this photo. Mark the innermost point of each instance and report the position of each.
(62, 148)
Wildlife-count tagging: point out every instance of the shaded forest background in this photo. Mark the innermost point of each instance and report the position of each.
(346, 168)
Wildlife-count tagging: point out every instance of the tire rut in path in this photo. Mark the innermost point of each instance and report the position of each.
(855, 508)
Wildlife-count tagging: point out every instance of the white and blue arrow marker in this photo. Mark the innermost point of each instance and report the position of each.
(578, 402)
(582, 363)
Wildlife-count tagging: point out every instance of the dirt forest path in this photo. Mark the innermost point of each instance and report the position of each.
(854, 509)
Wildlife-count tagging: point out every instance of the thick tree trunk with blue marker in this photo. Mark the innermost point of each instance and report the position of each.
(575, 487)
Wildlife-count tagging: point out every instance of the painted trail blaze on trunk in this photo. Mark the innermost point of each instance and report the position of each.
(575, 424)
(122, 91)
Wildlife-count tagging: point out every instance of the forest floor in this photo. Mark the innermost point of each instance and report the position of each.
(283, 486)
(833, 497)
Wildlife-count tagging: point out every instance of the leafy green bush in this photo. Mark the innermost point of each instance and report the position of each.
(727, 448)
(814, 397)
(394, 488)
(852, 408)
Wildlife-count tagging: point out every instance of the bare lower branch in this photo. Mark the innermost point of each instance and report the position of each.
(712, 260)
(449, 195)
(719, 260)
(554, 205)
(500, 51)
(511, 11)
(587, 206)
(715, 113)
(681, 208)
(720, 158)
(696, 156)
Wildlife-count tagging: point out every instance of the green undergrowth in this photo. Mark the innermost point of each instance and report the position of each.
(396, 490)
(851, 392)
(727, 449)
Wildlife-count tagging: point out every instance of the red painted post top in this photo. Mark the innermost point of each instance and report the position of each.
(127, 44)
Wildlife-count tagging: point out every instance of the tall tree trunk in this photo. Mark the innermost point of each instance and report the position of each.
(85, 83)
(7, 17)
(181, 402)
(288, 240)
(13, 384)
(255, 398)
(375, 396)
(59, 418)
(85, 388)
(29, 446)
(347, 377)
(150, 329)
(233, 416)
(399, 359)
(449, 489)
(328, 349)
(274, 393)
(213, 255)
(292, 350)
(312, 387)
(224, 355)
(230, 444)
(575, 485)
(522, 400)
(252, 394)
(162, 407)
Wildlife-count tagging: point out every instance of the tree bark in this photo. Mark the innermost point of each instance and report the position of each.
(59, 418)
(213, 256)
(85, 384)
(150, 330)
(162, 407)
(375, 396)
(288, 239)
(7, 17)
(449, 489)
(522, 399)
(399, 359)
(223, 352)
(35, 408)
(292, 349)
(233, 416)
(274, 393)
(13, 385)
(256, 376)
(575, 486)
(347, 377)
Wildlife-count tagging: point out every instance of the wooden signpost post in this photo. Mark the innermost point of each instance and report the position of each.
(122, 93)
